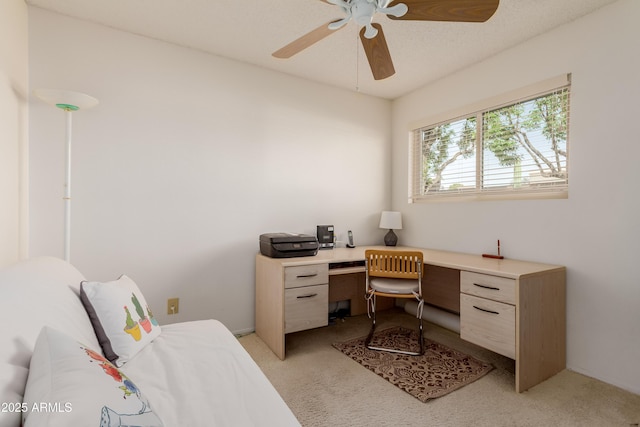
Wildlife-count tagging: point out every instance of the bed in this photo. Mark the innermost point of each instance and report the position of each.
(54, 369)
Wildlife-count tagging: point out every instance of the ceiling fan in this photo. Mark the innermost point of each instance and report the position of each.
(371, 34)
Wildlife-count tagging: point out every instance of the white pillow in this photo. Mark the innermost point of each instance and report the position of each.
(120, 316)
(70, 384)
(35, 292)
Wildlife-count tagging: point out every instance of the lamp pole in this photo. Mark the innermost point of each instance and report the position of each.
(69, 102)
(67, 185)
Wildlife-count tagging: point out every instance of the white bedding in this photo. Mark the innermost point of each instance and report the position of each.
(217, 385)
(193, 374)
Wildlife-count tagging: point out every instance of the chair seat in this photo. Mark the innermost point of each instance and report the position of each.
(394, 286)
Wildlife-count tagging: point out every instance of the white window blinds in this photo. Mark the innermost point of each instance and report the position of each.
(516, 149)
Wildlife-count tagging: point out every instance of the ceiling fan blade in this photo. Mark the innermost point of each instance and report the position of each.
(378, 54)
(305, 41)
(448, 10)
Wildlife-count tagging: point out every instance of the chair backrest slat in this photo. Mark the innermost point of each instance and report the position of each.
(392, 263)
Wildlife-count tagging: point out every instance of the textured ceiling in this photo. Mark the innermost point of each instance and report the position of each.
(250, 30)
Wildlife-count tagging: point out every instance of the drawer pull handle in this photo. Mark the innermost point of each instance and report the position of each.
(485, 310)
(303, 276)
(307, 296)
(493, 288)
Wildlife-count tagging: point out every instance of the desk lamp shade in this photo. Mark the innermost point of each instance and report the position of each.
(391, 221)
(69, 102)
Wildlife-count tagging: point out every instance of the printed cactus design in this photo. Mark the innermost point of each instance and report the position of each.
(144, 322)
(136, 303)
(153, 319)
(131, 327)
(130, 322)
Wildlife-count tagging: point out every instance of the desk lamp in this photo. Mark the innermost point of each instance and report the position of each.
(69, 102)
(391, 221)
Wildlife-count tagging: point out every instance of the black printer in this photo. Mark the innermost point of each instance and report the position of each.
(287, 245)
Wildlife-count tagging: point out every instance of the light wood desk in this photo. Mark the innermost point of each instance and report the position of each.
(514, 308)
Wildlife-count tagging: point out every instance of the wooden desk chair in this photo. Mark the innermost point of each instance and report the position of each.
(393, 274)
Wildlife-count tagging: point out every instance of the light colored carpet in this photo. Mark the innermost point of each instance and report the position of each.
(324, 388)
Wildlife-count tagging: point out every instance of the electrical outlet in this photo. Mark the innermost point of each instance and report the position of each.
(173, 305)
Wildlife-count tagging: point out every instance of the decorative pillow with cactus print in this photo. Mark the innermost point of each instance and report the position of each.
(120, 316)
(70, 384)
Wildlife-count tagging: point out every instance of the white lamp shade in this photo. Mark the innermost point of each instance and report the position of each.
(66, 99)
(391, 220)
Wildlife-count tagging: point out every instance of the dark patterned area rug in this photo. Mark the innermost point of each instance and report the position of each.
(439, 371)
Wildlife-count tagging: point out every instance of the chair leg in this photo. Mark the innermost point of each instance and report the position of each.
(421, 338)
(372, 302)
(367, 341)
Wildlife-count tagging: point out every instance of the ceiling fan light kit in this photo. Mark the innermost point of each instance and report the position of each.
(371, 34)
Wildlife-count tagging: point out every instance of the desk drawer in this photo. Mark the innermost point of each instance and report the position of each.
(487, 286)
(306, 308)
(489, 324)
(306, 275)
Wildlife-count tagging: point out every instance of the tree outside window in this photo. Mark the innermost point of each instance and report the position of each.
(517, 149)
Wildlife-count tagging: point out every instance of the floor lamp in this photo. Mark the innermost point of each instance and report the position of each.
(69, 102)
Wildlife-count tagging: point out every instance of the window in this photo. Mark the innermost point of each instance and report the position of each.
(517, 148)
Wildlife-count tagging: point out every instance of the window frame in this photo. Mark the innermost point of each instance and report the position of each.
(528, 93)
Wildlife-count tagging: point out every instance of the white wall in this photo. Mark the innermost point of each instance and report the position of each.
(187, 159)
(595, 233)
(13, 130)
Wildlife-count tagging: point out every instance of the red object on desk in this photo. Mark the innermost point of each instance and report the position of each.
(494, 256)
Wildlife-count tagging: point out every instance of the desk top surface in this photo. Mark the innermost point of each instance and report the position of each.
(470, 262)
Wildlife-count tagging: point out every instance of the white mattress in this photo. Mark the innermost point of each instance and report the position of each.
(198, 374)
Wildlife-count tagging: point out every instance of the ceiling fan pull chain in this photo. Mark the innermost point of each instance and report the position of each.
(357, 63)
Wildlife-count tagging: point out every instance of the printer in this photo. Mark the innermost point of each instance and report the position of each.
(287, 245)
